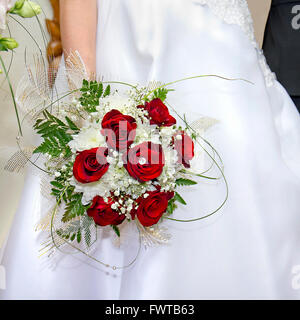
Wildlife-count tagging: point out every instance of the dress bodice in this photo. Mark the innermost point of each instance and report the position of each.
(147, 23)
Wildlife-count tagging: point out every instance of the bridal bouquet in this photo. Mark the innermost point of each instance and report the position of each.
(121, 157)
(112, 157)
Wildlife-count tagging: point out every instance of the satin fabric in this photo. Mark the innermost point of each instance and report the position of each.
(248, 249)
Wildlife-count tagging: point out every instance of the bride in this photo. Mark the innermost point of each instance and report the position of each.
(251, 248)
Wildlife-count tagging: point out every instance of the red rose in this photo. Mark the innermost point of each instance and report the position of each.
(184, 147)
(119, 129)
(90, 165)
(103, 214)
(159, 113)
(151, 209)
(145, 161)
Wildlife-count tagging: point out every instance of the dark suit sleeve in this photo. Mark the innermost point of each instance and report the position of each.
(282, 43)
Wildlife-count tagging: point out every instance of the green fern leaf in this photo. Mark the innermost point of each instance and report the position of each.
(107, 91)
(179, 198)
(185, 182)
(74, 208)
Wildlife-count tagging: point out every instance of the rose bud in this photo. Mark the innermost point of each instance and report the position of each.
(26, 9)
(159, 113)
(184, 145)
(8, 44)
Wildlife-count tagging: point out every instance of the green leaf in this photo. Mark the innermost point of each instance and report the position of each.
(161, 93)
(54, 132)
(100, 89)
(171, 206)
(178, 198)
(194, 136)
(72, 125)
(56, 192)
(55, 120)
(116, 230)
(69, 192)
(70, 231)
(74, 208)
(57, 184)
(78, 236)
(91, 93)
(47, 147)
(185, 182)
(107, 91)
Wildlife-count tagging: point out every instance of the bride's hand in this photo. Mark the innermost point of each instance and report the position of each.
(78, 22)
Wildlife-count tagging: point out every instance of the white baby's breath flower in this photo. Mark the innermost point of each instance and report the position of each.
(114, 206)
(123, 210)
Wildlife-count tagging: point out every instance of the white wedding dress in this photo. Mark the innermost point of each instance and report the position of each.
(249, 249)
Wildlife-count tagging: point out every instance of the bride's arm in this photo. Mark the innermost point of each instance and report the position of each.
(78, 22)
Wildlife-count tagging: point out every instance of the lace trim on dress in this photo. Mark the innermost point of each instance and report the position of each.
(237, 12)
